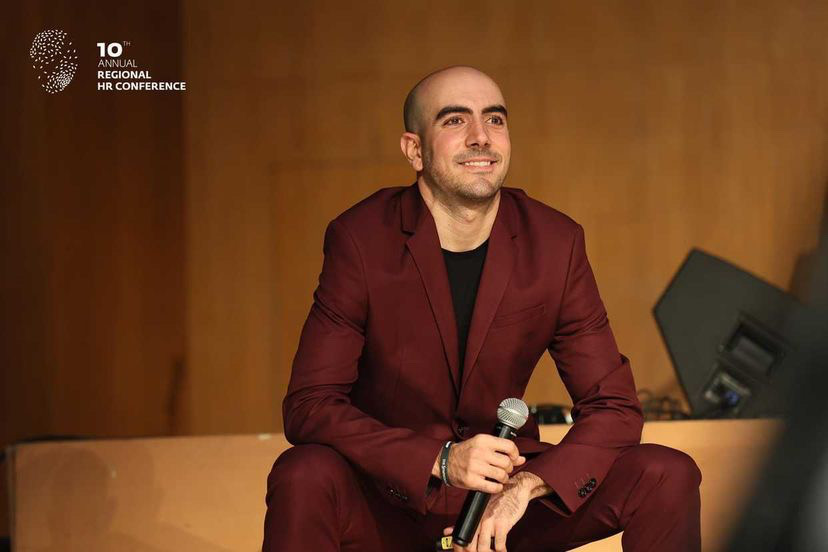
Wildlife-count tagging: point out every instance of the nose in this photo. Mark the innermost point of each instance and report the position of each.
(478, 135)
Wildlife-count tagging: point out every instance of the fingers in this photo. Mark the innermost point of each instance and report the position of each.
(501, 461)
(506, 452)
(480, 470)
(483, 457)
(484, 536)
(498, 474)
(491, 535)
(497, 542)
(500, 538)
(472, 547)
(493, 540)
(505, 446)
(477, 482)
(486, 486)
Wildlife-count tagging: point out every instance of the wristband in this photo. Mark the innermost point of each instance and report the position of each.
(444, 454)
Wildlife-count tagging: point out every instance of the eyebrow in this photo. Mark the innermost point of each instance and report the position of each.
(462, 109)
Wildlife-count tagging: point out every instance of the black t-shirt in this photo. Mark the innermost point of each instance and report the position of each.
(464, 269)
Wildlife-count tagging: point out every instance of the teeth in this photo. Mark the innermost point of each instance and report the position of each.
(478, 163)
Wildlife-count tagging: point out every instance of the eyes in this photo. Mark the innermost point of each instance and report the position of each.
(455, 120)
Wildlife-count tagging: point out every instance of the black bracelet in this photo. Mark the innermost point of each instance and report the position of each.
(444, 454)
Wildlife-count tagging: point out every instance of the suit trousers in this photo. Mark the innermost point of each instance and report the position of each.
(316, 500)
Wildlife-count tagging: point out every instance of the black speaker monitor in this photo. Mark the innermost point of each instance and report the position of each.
(730, 336)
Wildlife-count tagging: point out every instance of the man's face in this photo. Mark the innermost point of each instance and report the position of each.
(465, 138)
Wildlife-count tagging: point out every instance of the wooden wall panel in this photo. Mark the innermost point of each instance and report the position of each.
(92, 324)
(660, 126)
(157, 243)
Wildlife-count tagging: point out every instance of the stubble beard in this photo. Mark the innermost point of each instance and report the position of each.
(455, 188)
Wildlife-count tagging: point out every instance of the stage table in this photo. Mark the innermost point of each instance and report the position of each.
(206, 494)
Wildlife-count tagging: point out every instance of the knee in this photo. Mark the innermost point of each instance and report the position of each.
(672, 468)
(308, 468)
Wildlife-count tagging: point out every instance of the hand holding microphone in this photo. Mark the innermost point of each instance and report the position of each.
(483, 463)
(482, 457)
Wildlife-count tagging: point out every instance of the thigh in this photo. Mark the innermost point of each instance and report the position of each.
(374, 524)
(629, 481)
(316, 497)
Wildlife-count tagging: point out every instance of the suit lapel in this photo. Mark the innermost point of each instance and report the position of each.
(424, 246)
(497, 270)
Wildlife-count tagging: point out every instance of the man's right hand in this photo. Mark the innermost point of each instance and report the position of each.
(482, 463)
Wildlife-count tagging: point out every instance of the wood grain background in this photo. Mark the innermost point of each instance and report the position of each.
(660, 126)
(160, 250)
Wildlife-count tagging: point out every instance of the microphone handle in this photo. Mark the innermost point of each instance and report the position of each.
(476, 501)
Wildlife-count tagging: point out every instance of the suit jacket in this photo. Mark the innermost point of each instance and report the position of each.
(375, 375)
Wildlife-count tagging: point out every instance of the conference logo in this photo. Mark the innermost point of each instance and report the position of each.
(118, 71)
(54, 58)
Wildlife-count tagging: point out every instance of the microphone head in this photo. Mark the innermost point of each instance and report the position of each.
(513, 413)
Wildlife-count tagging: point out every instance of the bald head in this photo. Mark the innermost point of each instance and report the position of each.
(422, 101)
(456, 135)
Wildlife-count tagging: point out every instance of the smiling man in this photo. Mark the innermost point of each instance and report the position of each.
(434, 303)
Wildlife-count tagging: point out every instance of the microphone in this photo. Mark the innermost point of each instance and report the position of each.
(511, 415)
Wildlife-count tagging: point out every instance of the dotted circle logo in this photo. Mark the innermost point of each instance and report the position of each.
(54, 59)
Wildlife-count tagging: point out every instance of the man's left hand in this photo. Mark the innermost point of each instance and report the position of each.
(502, 513)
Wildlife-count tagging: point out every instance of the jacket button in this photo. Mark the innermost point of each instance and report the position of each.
(461, 428)
(582, 492)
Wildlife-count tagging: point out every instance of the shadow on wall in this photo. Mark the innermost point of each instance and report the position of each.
(812, 267)
(72, 489)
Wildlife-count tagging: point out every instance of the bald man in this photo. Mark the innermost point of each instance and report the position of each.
(434, 303)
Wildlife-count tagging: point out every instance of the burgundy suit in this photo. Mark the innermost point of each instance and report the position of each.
(375, 381)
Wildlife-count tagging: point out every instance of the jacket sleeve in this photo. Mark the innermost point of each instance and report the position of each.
(607, 413)
(317, 407)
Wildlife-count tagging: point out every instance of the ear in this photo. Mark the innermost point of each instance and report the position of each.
(412, 149)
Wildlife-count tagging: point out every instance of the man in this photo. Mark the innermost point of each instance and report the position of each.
(434, 303)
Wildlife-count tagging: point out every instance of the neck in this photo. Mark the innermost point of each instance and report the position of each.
(461, 226)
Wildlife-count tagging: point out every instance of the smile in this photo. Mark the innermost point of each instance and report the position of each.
(479, 164)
